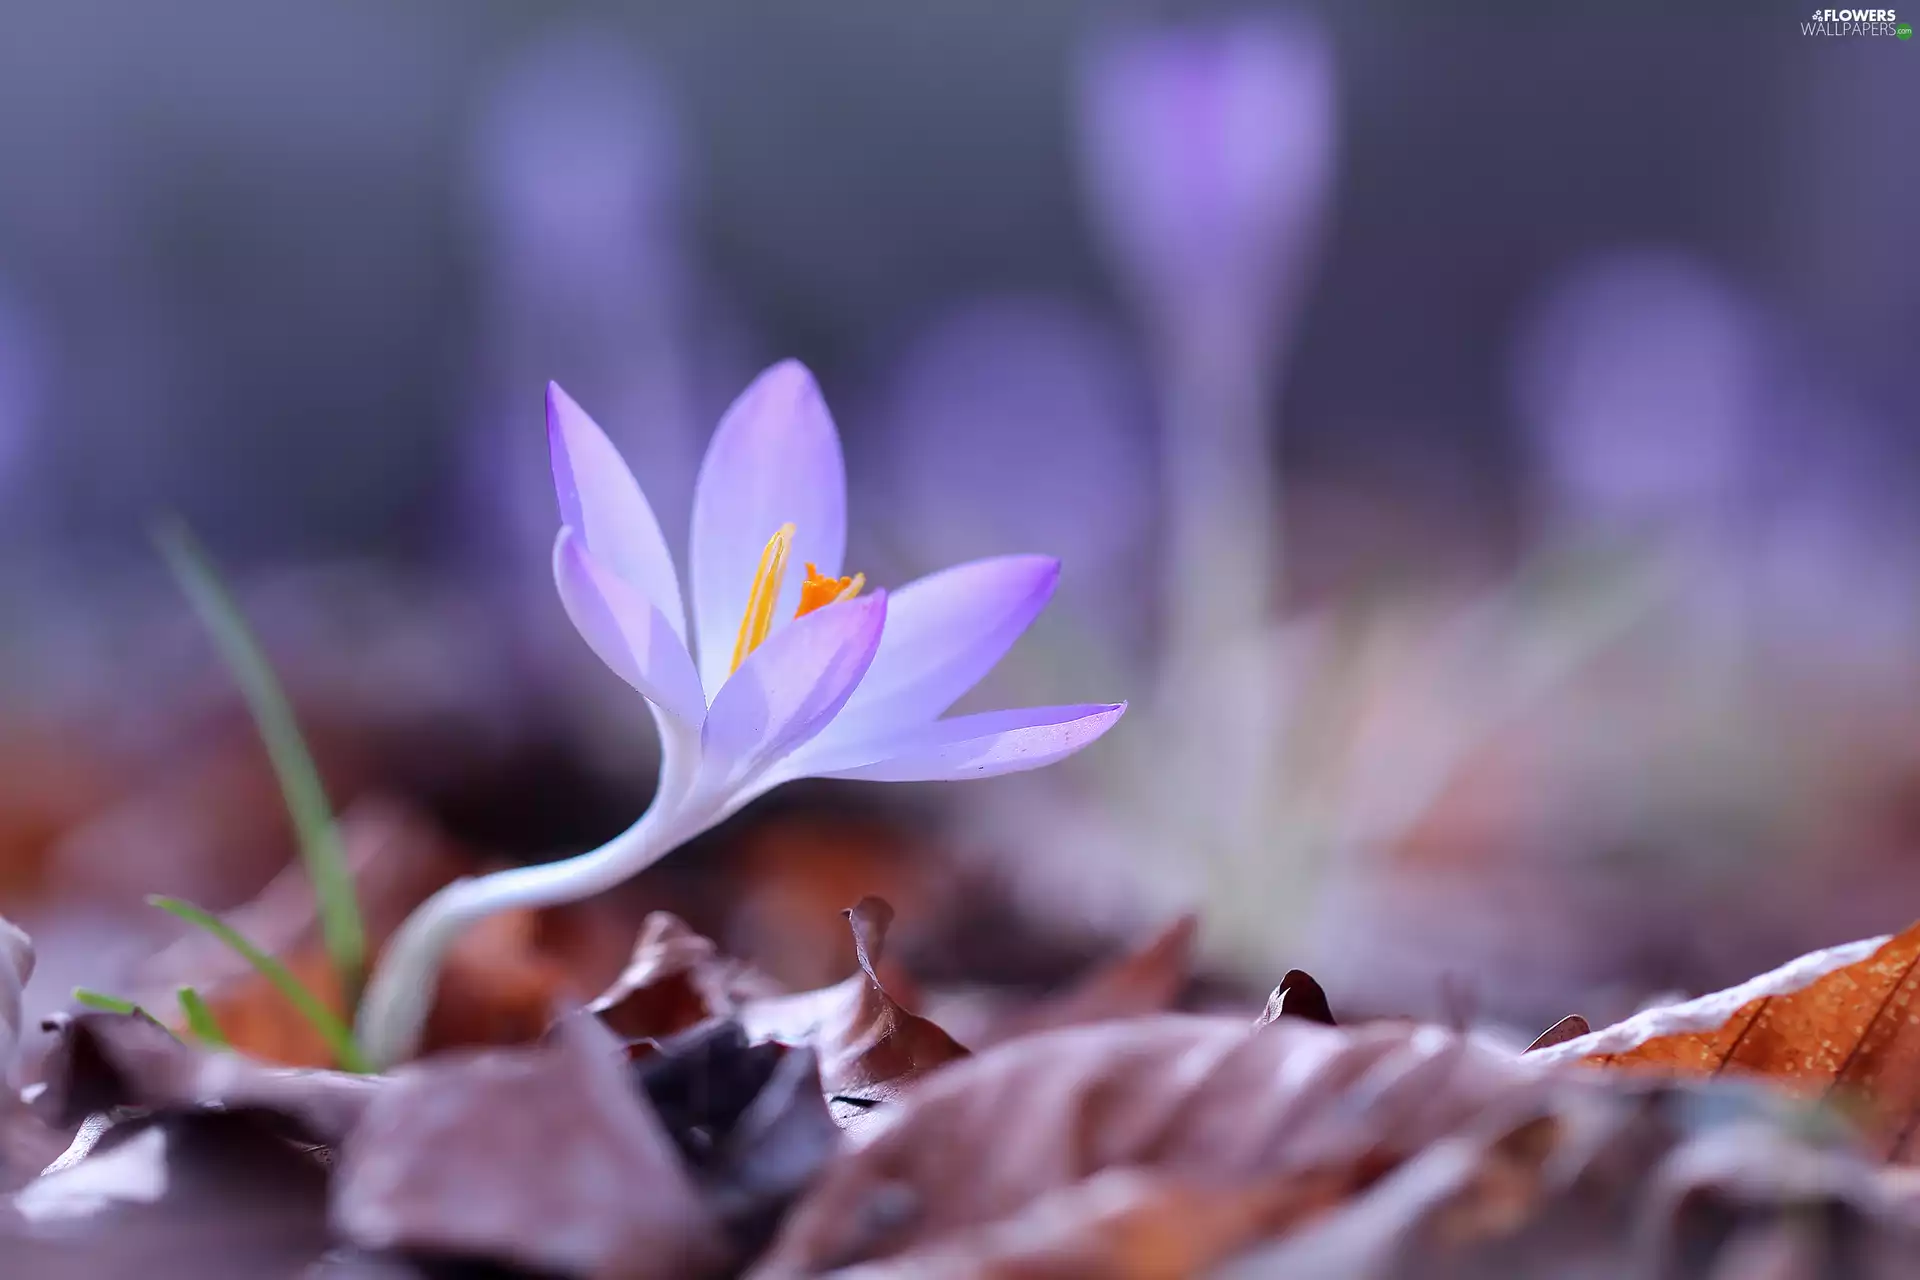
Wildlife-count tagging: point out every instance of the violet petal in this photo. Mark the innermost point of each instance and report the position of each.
(944, 632)
(601, 500)
(789, 689)
(976, 746)
(774, 459)
(627, 631)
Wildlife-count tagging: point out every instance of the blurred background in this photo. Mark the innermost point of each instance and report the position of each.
(1481, 449)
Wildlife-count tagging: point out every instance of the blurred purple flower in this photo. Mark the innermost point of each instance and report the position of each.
(22, 380)
(582, 186)
(1208, 153)
(23, 384)
(1638, 378)
(1832, 544)
(789, 679)
(1022, 422)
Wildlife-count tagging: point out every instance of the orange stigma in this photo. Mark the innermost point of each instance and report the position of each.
(819, 591)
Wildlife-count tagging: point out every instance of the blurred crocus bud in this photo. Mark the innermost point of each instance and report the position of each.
(579, 166)
(1637, 378)
(581, 188)
(1835, 536)
(1208, 152)
(583, 185)
(1014, 424)
(22, 383)
(579, 172)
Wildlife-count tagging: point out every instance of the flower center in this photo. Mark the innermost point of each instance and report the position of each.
(817, 592)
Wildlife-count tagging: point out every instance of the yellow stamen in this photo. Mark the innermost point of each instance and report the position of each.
(767, 580)
(819, 591)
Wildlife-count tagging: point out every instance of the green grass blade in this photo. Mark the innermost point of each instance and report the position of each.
(320, 845)
(200, 1020)
(345, 1052)
(103, 1002)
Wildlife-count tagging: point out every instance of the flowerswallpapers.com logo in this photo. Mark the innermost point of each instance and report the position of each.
(1856, 22)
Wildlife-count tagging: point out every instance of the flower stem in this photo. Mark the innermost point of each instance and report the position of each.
(401, 992)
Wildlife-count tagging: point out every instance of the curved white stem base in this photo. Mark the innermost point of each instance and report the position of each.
(401, 993)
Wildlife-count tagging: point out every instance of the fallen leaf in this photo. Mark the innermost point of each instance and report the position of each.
(1594, 1176)
(1297, 996)
(107, 1063)
(749, 1119)
(871, 1047)
(497, 987)
(1838, 1023)
(543, 1158)
(1201, 1101)
(16, 967)
(206, 1195)
(592, 941)
(1148, 980)
(1571, 1027)
(27, 1144)
(677, 979)
(1121, 1224)
(790, 873)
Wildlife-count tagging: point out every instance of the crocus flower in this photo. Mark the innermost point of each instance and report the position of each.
(1208, 151)
(1642, 377)
(786, 675)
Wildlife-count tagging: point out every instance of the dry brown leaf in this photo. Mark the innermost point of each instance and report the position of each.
(677, 979)
(26, 1144)
(871, 1047)
(1571, 1027)
(592, 940)
(102, 1062)
(1202, 1101)
(1297, 996)
(16, 967)
(750, 1120)
(544, 1158)
(1120, 1224)
(1840, 1023)
(497, 987)
(789, 876)
(1148, 980)
(1595, 1175)
(206, 1195)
